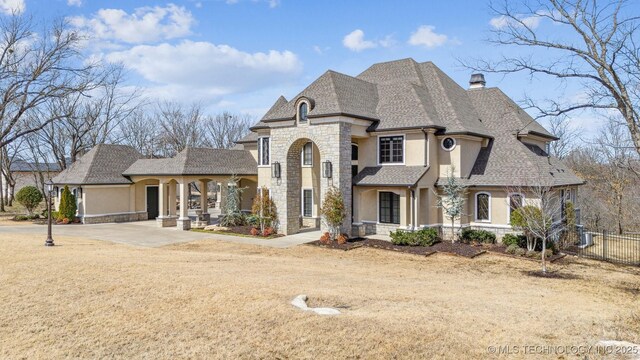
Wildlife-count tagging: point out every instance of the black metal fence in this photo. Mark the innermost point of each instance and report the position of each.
(604, 245)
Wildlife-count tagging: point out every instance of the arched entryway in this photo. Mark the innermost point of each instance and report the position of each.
(303, 189)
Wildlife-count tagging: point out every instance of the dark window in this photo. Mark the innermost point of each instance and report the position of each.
(391, 149)
(354, 170)
(307, 154)
(354, 152)
(263, 151)
(448, 143)
(302, 115)
(307, 202)
(389, 208)
(482, 207)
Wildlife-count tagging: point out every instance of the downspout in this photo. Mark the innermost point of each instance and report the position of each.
(413, 208)
(428, 152)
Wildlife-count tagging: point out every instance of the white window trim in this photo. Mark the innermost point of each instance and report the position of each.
(476, 207)
(378, 208)
(404, 152)
(300, 102)
(455, 143)
(509, 204)
(302, 204)
(302, 155)
(260, 152)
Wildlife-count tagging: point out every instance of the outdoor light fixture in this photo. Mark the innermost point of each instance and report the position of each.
(49, 241)
(275, 170)
(326, 169)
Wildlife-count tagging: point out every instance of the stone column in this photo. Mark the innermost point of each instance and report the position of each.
(223, 194)
(161, 220)
(183, 222)
(204, 202)
(172, 199)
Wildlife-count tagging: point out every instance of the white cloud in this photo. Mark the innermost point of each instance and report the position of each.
(10, 6)
(145, 24)
(426, 36)
(77, 3)
(503, 21)
(355, 41)
(208, 69)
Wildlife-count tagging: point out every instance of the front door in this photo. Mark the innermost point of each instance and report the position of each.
(152, 202)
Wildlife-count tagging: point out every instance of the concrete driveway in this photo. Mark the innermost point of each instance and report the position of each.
(146, 233)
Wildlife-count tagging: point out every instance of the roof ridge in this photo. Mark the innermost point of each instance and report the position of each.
(92, 161)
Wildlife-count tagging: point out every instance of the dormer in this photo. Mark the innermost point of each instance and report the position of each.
(303, 105)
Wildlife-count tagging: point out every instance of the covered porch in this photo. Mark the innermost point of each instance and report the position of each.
(195, 179)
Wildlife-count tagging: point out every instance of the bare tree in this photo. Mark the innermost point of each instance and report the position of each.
(223, 130)
(599, 52)
(36, 70)
(567, 137)
(541, 215)
(181, 127)
(141, 132)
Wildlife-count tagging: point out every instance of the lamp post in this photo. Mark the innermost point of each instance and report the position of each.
(49, 241)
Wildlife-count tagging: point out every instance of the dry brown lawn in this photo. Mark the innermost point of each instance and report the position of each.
(208, 299)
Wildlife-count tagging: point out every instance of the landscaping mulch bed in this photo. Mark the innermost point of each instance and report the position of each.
(244, 231)
(501, 250)
(460, 249)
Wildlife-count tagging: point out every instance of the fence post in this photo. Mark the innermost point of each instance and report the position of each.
(604, 244)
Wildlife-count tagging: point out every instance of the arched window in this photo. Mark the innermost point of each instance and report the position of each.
(303, 110)
(307, 154)
(483, 206)
(354, 152)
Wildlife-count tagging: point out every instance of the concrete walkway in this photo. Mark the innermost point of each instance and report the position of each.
(146, 233)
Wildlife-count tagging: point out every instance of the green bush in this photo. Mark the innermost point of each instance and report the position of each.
(67, 208)
(511, 249)
(423, 237)
(483, 236)
(29, 197)
(253, 220)
(518, 240)
(26, 217)
(233, 219)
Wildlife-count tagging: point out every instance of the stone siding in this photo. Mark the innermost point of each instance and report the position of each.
(334, 144)
(115, 218)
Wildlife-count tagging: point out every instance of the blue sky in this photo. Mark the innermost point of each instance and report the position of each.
(240, 55)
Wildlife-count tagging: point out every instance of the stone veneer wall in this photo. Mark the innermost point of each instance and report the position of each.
(115, 218)
(334, 144)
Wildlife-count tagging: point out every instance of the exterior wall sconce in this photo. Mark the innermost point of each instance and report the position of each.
(327, 171)
(275, 170)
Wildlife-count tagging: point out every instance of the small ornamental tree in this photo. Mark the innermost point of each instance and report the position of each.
(231, 213)
(333, 211)
(452, 202)
(67, 208)
(29, 197)
(264, 208)
(523, 219)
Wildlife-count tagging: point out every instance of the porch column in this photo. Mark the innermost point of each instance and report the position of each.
(172, 199)
(184, 223)
(204, 196)
(162, 220)
(224, 193)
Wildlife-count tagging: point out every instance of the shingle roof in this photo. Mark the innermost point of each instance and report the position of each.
(198, 161)
(396, 94)
(26, 166)
(507, 161)
(390, 175)
(103, 164)
(332, 93)
(250, 137)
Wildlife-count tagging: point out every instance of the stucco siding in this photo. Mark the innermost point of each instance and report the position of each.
(106, 200)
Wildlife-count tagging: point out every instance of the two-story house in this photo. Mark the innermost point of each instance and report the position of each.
(387, 139)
